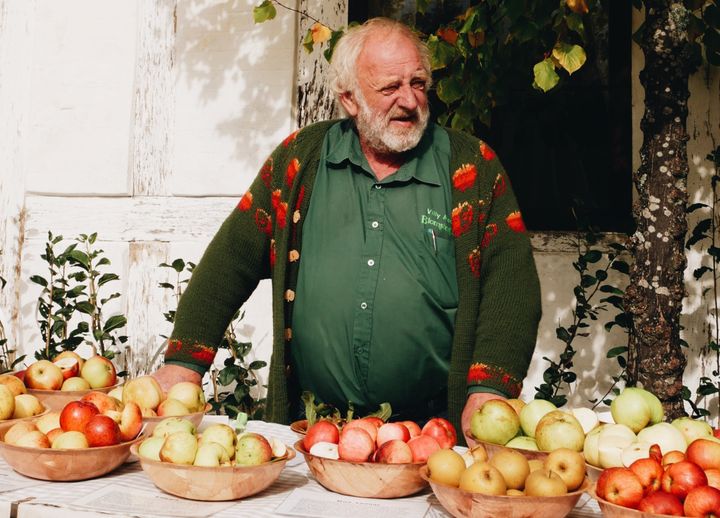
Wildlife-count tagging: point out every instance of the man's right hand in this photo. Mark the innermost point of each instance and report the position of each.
(168, 375)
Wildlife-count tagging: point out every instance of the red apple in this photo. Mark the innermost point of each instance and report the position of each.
(680, 477)
(72, 355)
(364, 424)
(672, 457)
(620, 486)
(442, 431)
(394, 451)
(102, 401)
(422, 447)
(69, 367)
(102, 430)
(650, 473)
(713, 476)
(704, 452)
(655, 453)
(716, 432)
(660, 502)
(355, 445)
(44, 375)
(130, 422)
(75, 415)
(412, 427)
(321, 431)
(374, 420)
(703, 501)
(392, 431)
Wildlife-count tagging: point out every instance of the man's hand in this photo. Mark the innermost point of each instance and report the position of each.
(168, 375)
(473, 402)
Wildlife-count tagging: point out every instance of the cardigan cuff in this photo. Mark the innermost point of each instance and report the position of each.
(495, 378)
(193, 355)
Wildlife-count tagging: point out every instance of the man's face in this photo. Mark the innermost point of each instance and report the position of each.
(390, 104)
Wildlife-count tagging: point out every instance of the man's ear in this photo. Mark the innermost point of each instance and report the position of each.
(348, 101)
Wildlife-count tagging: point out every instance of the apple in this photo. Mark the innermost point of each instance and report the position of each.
(495, 422)
(130, 422)
(14, 383)
(633, 452)
(649, 471)
(102, 401)
(179, 448)
(702, 501)
(101, 430)
(7, 403)
(558, 429)
(99, 372)
(587, 418)
(69, 367)
(536, 464)
(612, 440)
(412, 427)
(713, 476)
(47, 422)
(531, 414)
(32, 439)
(484, 478)
(664, 435)
(514, 467)
(590, 447)
(692, 428)
(148, 412)
(660, 502)
(54, 434)
(70, 441)
(704, 453)
(422, 446)
(631, 409)
(477, 453)
(75, 415)
(442, 431)
(189, 394)
(171, 425)
(366, 425)
(150, 448)
(544, 482)
(356, 445)
(569, 464)
(143, 390)
(517, 404)
(680, 477)
(321, 431)
(327, 450)
(74, 384)
(446, 466)
(392, 431)
(117, 393)
(44, 375)
(278, 447)
(72, 355)
(672, 457)
(18, 430)
(394, 451)
(222, 434)
(252, 449)
(210, 454)
(172, 407)
(620, 486)
(27, 405)
(523, 442)
(374, 420)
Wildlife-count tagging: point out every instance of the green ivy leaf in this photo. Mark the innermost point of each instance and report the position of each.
(308, 41)
(114, 322)
(264, 12)
(450, 89)
(575, 23)
(545, 76)
(178, 265)
(593, 256)
(570, 57)
(617, 351)
(441, 52)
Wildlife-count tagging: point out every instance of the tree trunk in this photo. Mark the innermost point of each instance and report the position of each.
(654, 296)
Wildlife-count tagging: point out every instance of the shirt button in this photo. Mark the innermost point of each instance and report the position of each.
(363, 305)
(378, 186)
(374, 224)
(371, 262)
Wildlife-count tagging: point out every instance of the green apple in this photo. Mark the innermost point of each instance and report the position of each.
(173, 424)
(189, 394)
(692, 428)
(558, 429)
(664, 435)
(636, 408)
(523, 442)
(150, 448)
(210, 454)
(221, 434)
(179, 448)
(531, 414)
(172, 407)
(495, 422)
(252, 449)
(657, 413)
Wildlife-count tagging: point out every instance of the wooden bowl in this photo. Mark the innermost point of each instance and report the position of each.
(464, 504)
(365, 479)
(57, 399)
(493, 448)
(8, 423)
(610, 510)
(149, 423)
(299, 427)
(65, 465)
(593, 472)
(212, 484)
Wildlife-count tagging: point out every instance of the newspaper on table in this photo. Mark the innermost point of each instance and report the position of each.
(311, 503)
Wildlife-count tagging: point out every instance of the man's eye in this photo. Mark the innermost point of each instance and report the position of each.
(419, 85)
(389, 89)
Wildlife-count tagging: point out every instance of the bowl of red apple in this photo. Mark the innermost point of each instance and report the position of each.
(370, 458)
(506, 482)
(79, 442)
(216, 464)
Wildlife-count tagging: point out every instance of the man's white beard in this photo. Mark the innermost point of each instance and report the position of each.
(381, 136)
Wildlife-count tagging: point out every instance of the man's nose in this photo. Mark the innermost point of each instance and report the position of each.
(406, 98)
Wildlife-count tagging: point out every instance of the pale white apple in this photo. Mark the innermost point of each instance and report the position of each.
(143, 390)
(75, 383)
(327, 450)
(189, 394)
(531, 414)
(70, 441)
(495, 422)
(558, 429)
(523, 442)
(179, 448)
(48, 422)
(278, 447)
(657, 413)
(590, 447)
(631, 409)
(587, 417)
(635, 451)
(692, 428)
(117, 393)
(210, 454)
(664, 435)
(171, 425)
(27, 405)
(612, 440)
(7, 403)
(172, 407)
(150, 447)
(222, 434)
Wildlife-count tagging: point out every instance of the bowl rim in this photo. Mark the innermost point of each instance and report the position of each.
(289, 455)
(300, 448)
(158, 418)
(73, 393)
(46, 410)
(602, 501)
(68, 451)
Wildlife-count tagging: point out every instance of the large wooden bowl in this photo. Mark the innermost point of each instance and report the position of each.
(299, 427)
(65, 465)
(593, 472)
(57, 399)
(365, 479)
(464, 504)
(610, 510)
(6, 424)
(149, 423)
(212, 484)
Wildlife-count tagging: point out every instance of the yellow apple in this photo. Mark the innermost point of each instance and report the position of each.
(446, 466)
(569, 464)
(7, 403)
(484, 478)
(189, 394)
(27, 405)
(544, 482)
(513, 466)
(179, 448)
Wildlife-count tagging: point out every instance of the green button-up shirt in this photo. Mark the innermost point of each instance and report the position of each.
(377, 292)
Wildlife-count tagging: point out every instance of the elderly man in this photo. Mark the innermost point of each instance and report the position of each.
(400, 264)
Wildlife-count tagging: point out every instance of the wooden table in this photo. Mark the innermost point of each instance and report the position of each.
(127, 492)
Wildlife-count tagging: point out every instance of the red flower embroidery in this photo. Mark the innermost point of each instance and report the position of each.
(500, 186)
(462, 217)
(272, 253)
(301, 196)
(490, 232)
(275, 198)
(263, 221)
(245, 202)
(464, 177)
(477, 372)
(203, 355)
(174, 346)
(486, 151)
(481, 218)
(515, 222)
(506, 379)
(292, 170)
(288, 140)
(281, 214)
(475, 261)
(266, 172)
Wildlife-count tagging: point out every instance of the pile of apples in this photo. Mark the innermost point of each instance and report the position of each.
(15, 402)
(95, 420)
(675, 483)
(370, 439)
(69, 371)
(508, 472)
(183, 398)
(176, 440)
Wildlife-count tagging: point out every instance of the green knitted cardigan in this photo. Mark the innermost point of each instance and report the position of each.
(499, 293)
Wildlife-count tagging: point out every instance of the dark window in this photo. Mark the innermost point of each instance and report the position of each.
(568, 152)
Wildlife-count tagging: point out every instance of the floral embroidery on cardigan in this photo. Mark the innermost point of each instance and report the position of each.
(464, 177)
(491, 231)
(475, 261)
(500, 186)
(192, 352)
(486, 151)
(245, 202)
(462, 217)
(288, 140)
(488, 375)
(515, 222)
(263, 221)
(292, 169)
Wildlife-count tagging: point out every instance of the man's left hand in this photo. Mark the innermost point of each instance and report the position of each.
(473, 402)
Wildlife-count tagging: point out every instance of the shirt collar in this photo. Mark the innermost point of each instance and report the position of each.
(420, 163)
